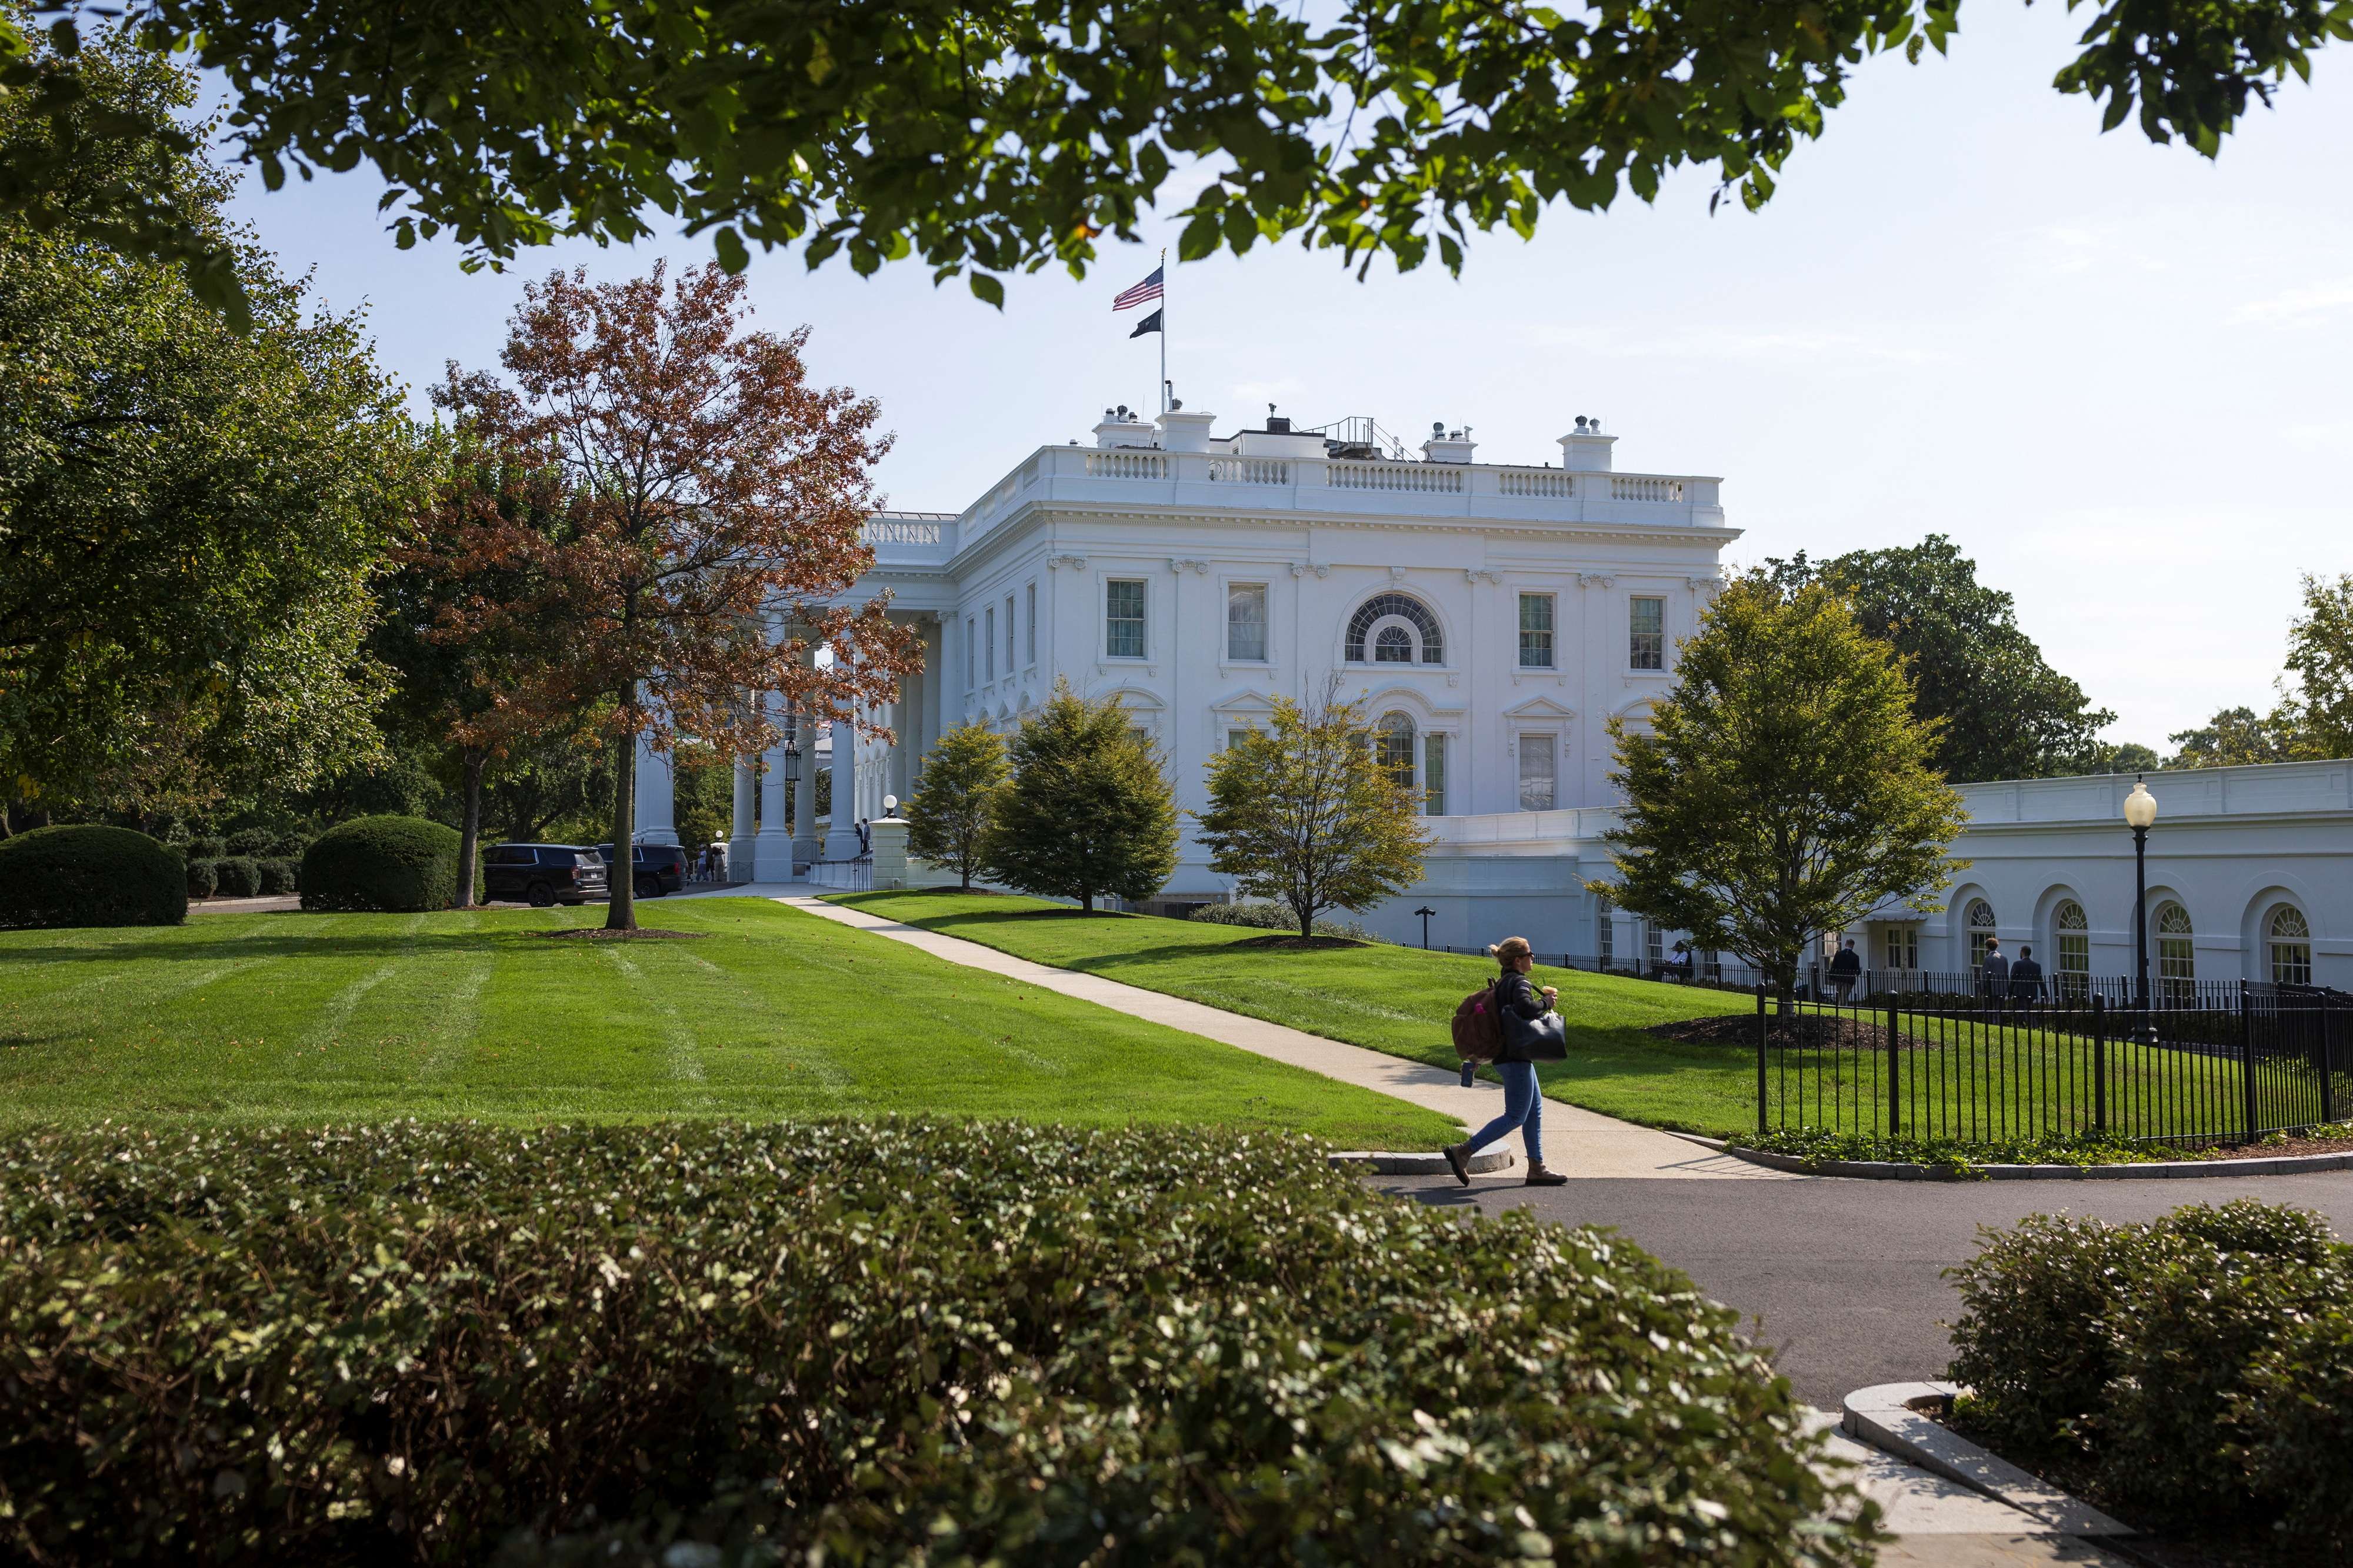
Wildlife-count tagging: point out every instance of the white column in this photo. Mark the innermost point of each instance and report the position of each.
(773, 850)
(742, 853)
(841, 839)
(935, 677)
(806, 843)
(655, 793)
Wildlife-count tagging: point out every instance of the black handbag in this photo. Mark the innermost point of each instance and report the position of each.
(1543, 1039)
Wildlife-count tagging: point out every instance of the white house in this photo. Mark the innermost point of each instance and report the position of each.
(1491, 617)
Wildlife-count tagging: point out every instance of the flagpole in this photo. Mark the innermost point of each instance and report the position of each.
(1163, 329)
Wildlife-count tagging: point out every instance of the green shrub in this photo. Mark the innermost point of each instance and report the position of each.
(1274, 917)
(278, 875)
(2299, 1404)
(240, 876)
(883, 1342)
(382, 863)
(204, 879)
(2160, 1354)
(90, 876)
(253, 842)
(207, 848)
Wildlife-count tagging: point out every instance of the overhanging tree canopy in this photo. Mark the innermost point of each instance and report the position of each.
(989, 136)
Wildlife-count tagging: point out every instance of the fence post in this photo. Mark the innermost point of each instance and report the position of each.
(1814, 980)
(1895, 1083)
(2328, 1057)
(2247, 1061)
(2099, 1063)
(1761, 1027)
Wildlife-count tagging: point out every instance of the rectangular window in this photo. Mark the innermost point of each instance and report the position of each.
(1433, 775)
(1903, 947)
(1030, 625)
(1646, 647)
(1605, 932)
(1654, 945)
(1537, 772)
(971, 653)
(1235, 738)
(1535, 631)
(1122, 618)
(1009, 665)
(1246, 621)
(990, 642)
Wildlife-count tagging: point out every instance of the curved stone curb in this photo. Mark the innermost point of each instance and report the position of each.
(2144, 1171)
(1888, 1416)
(1389, 1164)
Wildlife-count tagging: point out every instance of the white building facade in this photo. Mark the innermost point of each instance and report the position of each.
(1491, 618)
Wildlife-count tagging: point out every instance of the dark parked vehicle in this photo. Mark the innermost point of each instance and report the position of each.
(544, 874)
(654, 868)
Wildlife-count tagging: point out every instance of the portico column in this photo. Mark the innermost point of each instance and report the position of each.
(773, 850)
(842, 840)
(654, 797)
(742, 856)
(804, 839)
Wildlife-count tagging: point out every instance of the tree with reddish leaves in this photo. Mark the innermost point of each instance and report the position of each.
(716, 504)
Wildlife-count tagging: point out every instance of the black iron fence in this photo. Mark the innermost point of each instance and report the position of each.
(2248, 1059)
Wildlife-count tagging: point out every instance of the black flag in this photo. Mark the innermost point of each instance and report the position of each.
(1150, 323)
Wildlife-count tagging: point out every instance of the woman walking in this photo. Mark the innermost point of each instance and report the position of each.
(1518, 1005)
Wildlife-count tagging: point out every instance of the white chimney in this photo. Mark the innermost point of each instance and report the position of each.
(1446, 446)
(1122, 427)
(1586, 450)
(1182, 430)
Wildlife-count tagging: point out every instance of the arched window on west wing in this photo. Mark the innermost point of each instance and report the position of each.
(2177, 956)
(2071, 939)
(1393, 747)
(2289, 942)
(1979, 921)
(1394, 628)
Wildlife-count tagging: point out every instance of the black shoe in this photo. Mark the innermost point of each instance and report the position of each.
(1459, 1163)
(1469, 1074)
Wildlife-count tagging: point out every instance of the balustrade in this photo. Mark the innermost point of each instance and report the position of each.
(1632, 488)
(1536, 482)
(1127, 465)
(1249, 471)
(896, 531)
(1428, 477)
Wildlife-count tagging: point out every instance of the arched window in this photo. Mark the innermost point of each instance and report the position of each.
(1980, 922)
(2070, 940)
(2177, 956)
(1401, 629)
(1393, 748)
(2290, 944)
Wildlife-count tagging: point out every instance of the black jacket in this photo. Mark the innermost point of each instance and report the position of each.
(1846, 961)
(1517, 997)
(2026, 978)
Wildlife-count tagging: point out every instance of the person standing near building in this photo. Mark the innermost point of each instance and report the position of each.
(1846, 972)
(1995, 971)
(1517, 1005)
(2025, 977)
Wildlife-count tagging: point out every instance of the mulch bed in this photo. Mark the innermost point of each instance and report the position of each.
(1278, 940)
(1738, 1030)
(599, 933)
(2279, 1151)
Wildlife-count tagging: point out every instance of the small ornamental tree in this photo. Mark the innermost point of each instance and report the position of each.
(1303, 814)
(1088, 810)
(2320, 658)
(1785, 787)
(953, 805)
(713, 492)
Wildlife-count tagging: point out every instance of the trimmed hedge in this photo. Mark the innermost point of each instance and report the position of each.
(240, 876)
(906, 1342)
(400, 863)
(279, 875)
(2176, 1359)
(204, 879)
(90, 875)
(207, 848)
(1274, 917)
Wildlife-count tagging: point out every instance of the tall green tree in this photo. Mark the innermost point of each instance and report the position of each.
(189, 516)
(1088, 811)
(2002, 713)
(1001, 135)
(2237, 737)
(1301, 813)
(1785, 786)
(954, 807)
(2320, 658)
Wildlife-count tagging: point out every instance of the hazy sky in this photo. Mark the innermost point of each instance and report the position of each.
(2114, 373)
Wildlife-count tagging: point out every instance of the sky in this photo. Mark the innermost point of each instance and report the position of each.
(2115, 373)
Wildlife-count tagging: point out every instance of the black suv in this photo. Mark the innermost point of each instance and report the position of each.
(654, 868)
(544, 874)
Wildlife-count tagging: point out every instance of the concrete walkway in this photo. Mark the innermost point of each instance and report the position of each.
(1577, 1142)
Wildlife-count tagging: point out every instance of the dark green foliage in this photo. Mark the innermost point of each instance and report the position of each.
(86, 876)
(898, 1342)
(1087, 811)
(238, 877)
(953, 809)
(1274, 917)
(382, 863)
(1956, 1156)
(279, 874)
(207, 848)
(204, 878)
(2159, 1354)
(2302, 1385)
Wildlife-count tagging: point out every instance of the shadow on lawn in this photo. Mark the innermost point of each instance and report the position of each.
(273, 943)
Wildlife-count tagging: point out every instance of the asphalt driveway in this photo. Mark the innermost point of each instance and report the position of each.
(1842, 1277)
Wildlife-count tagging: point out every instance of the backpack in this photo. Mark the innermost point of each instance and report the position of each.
(1478, 1026)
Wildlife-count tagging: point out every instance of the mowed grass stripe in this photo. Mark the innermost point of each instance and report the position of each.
(782, 1013)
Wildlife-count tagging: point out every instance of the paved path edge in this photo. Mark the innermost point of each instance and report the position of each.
(2143, 1171)
(1887, 1416)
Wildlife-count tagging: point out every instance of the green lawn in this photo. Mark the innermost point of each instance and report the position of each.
(1392, 999)
(477, 1013)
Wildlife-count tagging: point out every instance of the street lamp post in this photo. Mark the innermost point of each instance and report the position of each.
(1425, 912)
(2140, 815)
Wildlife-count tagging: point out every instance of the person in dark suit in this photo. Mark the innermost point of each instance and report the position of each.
(1846, 971)
(2025, 977)
(1995, 972)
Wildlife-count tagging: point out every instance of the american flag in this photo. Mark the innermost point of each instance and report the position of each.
(1147, 290)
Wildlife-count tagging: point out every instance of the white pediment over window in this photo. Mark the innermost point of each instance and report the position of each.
(1540, 708)
(1247, 702)
(1135, 699)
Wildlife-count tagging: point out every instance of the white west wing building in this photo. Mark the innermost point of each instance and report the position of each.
(1492, 617)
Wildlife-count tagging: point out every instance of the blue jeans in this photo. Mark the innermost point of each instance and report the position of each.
(1523, 1108)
